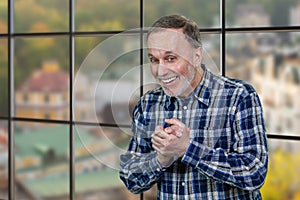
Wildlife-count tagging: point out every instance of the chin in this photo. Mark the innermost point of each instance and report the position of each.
(172, 93)
(168, 92)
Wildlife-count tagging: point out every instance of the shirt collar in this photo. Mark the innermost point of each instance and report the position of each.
(202, 91)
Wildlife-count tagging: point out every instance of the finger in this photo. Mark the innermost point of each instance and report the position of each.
(174, 121)
(158, 129)
(174, 130)
(155, 147)
(161, 134)
(157, 140)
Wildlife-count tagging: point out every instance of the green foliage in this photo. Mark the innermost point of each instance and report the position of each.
(201, 11)
(3, 78)
(106, 15)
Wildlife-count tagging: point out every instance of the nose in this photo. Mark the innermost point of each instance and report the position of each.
(162, 69)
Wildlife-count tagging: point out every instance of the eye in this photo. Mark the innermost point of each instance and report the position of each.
(153, 60)
(170, 59)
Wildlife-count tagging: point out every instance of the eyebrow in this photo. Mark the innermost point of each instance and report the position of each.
(166, 53)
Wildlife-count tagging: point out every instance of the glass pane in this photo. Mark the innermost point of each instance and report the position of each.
(3, 16)
(3, 78)
(256, 13)
(85, 46)
(105, 81)
(284, 171)
(270, 62)
(204, 13)
(41, 16)
(42, 160)
(42, 82)
(211, 52)
(97, 152)
(3, 159)
(108, 15)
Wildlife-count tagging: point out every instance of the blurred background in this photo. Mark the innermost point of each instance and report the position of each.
(72, 70)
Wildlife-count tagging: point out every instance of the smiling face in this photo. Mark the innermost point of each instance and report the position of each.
(174, 62)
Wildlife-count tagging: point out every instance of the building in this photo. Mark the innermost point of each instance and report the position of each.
(274, 71)
(45, 94)
(251, 15)
(295, 15)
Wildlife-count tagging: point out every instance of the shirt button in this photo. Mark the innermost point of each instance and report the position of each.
(183, 183)
(157, 169)
(184, 107)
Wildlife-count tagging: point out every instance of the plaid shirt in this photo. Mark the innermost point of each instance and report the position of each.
(227, 157)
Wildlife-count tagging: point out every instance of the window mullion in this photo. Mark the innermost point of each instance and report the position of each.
(223, 37)
(71, 98)
(11, 139)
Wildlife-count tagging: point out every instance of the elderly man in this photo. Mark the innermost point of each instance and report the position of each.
(198, 135)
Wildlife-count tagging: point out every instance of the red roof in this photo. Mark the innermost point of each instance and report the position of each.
(44, 81)
(3, 135)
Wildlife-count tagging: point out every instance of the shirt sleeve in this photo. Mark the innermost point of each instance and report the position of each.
(245, 165)
(139, 168)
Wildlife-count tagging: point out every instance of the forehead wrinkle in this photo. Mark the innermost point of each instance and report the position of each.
(162, 53)
(166, 38)
(171, 41)
(154, 52)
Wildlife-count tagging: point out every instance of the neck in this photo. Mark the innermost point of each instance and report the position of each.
(195, 82)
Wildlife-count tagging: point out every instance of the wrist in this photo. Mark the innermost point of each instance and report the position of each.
(164, 161)
(186, 146)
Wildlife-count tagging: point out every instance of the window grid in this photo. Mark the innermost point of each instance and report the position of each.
(222, 31)
(11, 158)
(71, 96)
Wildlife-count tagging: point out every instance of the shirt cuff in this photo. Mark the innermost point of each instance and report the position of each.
(194, 154)
(156, 168)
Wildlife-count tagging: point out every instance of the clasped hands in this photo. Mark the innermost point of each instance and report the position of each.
(170, 143)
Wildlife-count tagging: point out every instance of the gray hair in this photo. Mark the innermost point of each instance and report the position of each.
(189, 27)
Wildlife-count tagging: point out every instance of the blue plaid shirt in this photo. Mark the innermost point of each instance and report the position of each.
(227, 157)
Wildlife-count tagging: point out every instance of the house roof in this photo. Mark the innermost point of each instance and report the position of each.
(48, 79)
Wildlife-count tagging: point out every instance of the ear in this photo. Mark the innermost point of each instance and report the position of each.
(198, 56)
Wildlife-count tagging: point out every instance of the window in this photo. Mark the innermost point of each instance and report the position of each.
(92, 54)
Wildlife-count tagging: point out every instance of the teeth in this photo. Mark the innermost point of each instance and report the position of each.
(169, 79)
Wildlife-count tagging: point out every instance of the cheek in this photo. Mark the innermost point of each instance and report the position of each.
(183, 68)
(153, 69)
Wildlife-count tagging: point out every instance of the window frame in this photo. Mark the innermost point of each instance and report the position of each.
(72, 34)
